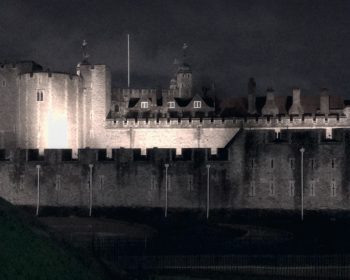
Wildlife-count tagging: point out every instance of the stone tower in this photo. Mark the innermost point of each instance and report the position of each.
(184, 77)
(96, 99)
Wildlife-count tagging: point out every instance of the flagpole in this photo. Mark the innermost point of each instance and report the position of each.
(128, 60)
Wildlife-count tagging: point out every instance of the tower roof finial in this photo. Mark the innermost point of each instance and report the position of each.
(84, 53)
(184, 54)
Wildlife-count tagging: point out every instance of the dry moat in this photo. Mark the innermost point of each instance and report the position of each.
(229, 245)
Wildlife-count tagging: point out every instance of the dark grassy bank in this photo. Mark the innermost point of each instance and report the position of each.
(28, 251)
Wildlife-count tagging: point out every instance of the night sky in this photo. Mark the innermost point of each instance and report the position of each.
(282, 44)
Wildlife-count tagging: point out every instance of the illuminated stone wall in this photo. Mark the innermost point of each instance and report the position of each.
(9, 100)
(52, 122)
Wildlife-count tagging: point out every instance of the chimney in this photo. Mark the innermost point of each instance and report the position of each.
(296, 108)
(270, 107)
(324, 102)
(251, 96)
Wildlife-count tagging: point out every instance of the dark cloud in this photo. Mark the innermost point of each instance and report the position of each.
(281, 43)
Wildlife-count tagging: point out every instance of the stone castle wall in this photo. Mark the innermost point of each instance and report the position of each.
(54, 121)
(255, 171)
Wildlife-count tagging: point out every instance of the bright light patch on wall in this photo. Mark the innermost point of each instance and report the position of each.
(57, 131)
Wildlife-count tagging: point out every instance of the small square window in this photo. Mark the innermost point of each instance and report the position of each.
(171, 104)
(144, 105)
(197, 104)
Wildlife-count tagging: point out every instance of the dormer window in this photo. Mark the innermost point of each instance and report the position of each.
(171, 104)
(39, 95)
(144, 105)
(197, 104)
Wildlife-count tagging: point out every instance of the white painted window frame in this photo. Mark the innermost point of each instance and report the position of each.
(144, 104)
(197, 104)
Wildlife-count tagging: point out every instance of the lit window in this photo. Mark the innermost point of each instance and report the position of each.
(171, 104)
(144, 105)
(39, 95)
(197, 104)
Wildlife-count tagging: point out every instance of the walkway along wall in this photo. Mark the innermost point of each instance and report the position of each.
(254, 171)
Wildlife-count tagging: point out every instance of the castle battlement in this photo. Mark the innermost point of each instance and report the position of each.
(49, 74)
(263, 122)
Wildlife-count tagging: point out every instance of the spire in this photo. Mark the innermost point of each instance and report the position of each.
(84, 52)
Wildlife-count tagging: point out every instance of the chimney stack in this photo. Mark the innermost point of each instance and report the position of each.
(324, 102)
(270, 107)
(251, 96)
(296, 108)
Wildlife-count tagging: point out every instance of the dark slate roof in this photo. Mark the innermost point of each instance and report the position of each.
(233, 106)
(209, 101)
(183, 102)
(133, 102)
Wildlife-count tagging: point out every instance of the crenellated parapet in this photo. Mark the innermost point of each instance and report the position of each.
(259, 122)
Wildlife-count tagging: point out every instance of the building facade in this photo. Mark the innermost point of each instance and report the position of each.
(87, 144)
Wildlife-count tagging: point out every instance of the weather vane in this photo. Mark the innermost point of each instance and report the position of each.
(85, 53)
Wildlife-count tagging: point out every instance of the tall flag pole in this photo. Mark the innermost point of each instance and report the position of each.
(128, 60)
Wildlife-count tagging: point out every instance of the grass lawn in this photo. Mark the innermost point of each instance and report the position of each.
(28, 251)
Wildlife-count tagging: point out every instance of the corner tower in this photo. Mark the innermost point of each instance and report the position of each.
(96, 99)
